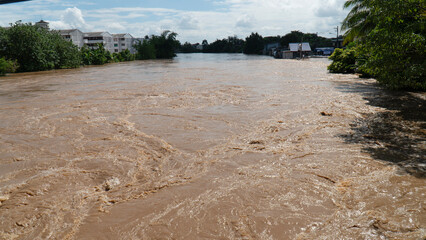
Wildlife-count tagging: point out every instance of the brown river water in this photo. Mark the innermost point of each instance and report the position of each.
(210, 147)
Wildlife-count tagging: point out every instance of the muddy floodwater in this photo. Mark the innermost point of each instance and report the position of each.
(210, 147)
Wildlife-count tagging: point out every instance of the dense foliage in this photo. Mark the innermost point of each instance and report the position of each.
(123, 56)
(343, 61)
(95, 56)
(391, 40)
(254, 44)
(37, 49)
(7, 66)
(163, 46)
(226, 45)
(145, 50)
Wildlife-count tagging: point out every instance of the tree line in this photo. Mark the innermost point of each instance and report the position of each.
(255, 43)
(385, 40)
(25, 47)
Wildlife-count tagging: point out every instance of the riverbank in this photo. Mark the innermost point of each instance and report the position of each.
(209, 146)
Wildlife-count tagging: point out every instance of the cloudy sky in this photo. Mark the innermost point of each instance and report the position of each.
(193, 20)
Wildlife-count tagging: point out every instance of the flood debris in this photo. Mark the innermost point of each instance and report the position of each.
(326, 114)
(111, 183)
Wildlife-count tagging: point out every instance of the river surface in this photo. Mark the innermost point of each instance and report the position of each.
(210, 147)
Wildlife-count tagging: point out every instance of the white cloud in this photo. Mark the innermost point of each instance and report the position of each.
(115, 26)
(330, 8)
(245, 21)
(188, 22)
(71, 18)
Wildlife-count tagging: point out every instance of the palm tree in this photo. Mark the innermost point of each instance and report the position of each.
(359, 21)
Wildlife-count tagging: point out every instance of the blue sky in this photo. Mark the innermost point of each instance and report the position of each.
(193, 20)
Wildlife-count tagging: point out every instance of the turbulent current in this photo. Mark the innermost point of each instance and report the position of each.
(210, 147)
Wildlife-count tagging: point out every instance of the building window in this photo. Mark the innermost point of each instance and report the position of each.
(115, 45)
(115, 39)
(115, 50)
(94, 38)
(122, 39)
(123, 44)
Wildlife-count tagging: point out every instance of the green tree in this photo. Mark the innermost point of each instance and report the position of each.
(293, 37)
(68, 54)
(227, 45)
(36, 49)
(391, 41)
(359, 21)
(145, 50)
(165, 45)
(188, 48)
(395, 49)
(254, 44)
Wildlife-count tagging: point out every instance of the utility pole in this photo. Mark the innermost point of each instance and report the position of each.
(337, 36)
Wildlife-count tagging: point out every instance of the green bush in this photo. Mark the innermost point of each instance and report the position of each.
(7, 66)
(95, 56)
(344, 61)
(117, 57)
(126, 55)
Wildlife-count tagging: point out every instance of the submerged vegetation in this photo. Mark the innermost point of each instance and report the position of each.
(390, 42)
(7, 66)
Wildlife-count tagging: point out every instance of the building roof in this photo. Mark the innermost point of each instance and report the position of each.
(294, 47)
(67, 31)
(93, 34)
(121, 35)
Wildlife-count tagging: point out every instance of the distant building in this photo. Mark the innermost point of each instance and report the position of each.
(112, 42)
(297, 50)
(124, 41)
(92, 39)
(326, 51)
(270, 48)
(198, 46)
(43, 24)
(73, 35)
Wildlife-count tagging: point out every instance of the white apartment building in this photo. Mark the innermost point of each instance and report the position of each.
(43, 24)
(92, 39)
(123, 41)
(73, 35)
